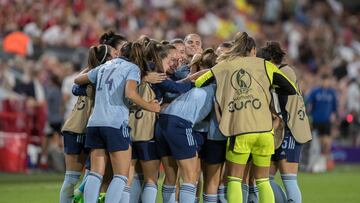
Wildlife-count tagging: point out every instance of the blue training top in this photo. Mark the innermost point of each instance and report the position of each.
(193, 105)
(110, 79)
(171, 86)
(323, 104)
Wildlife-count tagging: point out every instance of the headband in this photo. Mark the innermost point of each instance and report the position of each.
(106, 50)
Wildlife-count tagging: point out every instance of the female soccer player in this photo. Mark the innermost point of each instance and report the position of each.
(295, 131)
(242, 93)
(74, 128)
(212, 152)
(175, 137)
(107, 128)
(159, 59)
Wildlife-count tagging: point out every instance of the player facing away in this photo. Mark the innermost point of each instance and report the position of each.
(108, 128)
(74, 127)
(293, 132)
(242, 93)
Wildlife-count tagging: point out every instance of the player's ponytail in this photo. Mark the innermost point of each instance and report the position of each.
(155, 52)
(112, 39)
(135, 53)
(243, 44)
(137, 56)
(98, 55)
(206, 60)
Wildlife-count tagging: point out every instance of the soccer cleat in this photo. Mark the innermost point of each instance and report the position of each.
(78, 197)
(101, 198)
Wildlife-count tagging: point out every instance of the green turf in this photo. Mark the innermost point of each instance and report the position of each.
(340, 185)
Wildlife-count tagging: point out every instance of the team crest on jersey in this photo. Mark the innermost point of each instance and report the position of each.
(241, 81)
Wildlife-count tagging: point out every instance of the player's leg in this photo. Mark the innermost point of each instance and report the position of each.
(212, 178)
(222, 190)
(136, 176)
(125, 198)
(246, 182)
(74, 163)
(150, 170)
(93, 182)
(289, 177)
(261, 156)
(189, 174)
(213, 156)
(107, 177)
(169, 185)
(279, 194)
(119, 148)
(98, 160)
(288, 168)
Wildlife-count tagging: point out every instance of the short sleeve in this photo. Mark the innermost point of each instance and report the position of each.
(134, 74)
(67, 85)
(92, 75)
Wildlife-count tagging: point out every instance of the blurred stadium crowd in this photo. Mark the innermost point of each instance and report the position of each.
(44, 43)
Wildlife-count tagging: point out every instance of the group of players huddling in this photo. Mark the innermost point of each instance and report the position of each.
(223, 120)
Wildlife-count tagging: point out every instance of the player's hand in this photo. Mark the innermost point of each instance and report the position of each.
(199, 50)
(154, 77)
(90, 91)
(196, 75)
(155, 106)
(276, 121)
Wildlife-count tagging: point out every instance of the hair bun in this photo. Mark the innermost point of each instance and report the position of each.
(106, 37)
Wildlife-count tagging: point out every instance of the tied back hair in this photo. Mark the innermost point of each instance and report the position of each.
(155, 52)
(98, 55)
(135, 53)
(206, 60)
(242, 46)
(112, 39)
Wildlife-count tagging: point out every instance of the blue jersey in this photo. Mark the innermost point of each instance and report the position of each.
(323, 103)
(214, 131)
(110, 79)
(193, 105)
(182, 72)
(170, 86)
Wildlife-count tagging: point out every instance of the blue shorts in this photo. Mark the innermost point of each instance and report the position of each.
(74, 143)
(145, 150)
(134, 155)
(289, 149)
(111, 139)
(174, 137)
(200, 140)
(87, 163)
(213, 151)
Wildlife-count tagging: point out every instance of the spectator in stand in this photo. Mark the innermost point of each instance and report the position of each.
(52, 141)
(19, 43)
(7, 80)
(68, 98)
(30, 86)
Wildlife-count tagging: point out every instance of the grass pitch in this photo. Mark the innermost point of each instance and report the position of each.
(340, 185)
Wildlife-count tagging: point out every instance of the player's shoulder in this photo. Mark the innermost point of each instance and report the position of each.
(289, 71)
